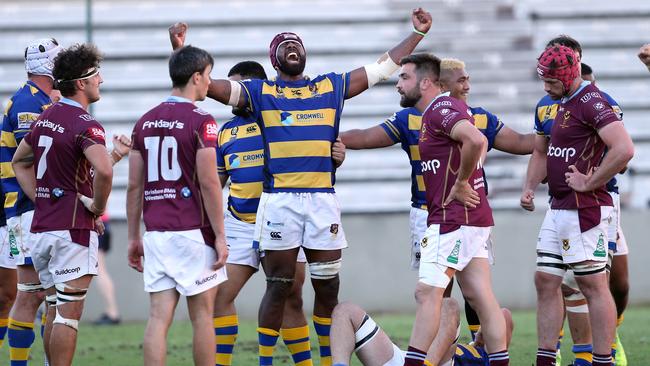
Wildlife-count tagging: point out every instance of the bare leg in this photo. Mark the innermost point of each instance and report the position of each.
(106, 287)
(602, 311)
(161, 313)
(550, 309)
(294, 316)
(238, 275)
(200, 307)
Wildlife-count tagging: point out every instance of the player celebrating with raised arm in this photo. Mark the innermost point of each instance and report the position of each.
(173, 182)
(299, 120)
(61, 158)
(460, 218)
(574, 232)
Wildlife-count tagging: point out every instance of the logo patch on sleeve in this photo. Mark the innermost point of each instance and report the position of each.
(211, 131)
(96, 133)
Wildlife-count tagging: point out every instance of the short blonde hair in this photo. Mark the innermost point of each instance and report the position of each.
(447, 66)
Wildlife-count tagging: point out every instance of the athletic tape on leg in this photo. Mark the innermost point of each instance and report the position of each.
(551, 263)
(366, 332)
(66, 294)
(30, 287)
(325, 270)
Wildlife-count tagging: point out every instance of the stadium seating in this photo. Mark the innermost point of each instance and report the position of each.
(498, 39)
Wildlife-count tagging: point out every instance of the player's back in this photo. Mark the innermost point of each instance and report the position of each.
(168, 137)
(59, 138)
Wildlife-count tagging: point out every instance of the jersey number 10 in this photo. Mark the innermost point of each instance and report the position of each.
(163, 155)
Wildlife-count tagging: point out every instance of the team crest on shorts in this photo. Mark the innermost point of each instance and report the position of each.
(424, 243)
(600, 247)
(334, 229)
(565, 244)
(453, 256)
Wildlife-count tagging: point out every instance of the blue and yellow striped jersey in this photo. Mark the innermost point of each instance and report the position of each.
(299, 121)
(240, 155)
(22, 110)
(404, 127)
(467, 355)
(545, 113)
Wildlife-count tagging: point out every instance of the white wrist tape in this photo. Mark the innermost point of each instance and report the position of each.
(380, 70)
(235, 93)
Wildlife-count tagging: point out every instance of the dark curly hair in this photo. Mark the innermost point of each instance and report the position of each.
(72, 63)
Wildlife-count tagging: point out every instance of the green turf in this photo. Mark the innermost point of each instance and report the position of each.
(122, 345)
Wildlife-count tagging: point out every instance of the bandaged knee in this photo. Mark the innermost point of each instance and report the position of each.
(434, 274)
(366, 332)
(380, 70)
(30, 287)
(67, 294)
(589, 269)
(550, 263)
(325, 270)
(50, 300)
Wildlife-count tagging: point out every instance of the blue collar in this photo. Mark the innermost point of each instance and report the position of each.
(177, 99)
(583, 84)
(71, 102)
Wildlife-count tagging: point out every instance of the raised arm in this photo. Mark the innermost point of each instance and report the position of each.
(535, 173)
(367, 76)
(223, 91)
(513, 142)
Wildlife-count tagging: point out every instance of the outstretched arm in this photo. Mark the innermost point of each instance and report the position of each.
(513, 142)
(369, 138)
(223, 91)
(367, 76)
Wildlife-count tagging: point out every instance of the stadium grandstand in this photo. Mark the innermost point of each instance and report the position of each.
(498, 39)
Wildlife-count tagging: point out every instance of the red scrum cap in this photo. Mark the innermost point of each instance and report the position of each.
(559, 62)
(277, 41)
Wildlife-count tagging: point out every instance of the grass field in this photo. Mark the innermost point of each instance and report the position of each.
(122, 345)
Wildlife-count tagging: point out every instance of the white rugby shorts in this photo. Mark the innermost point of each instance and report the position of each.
(18, 229)
(57, 259)
(418, 226)
(289, 220)
(180, 260)
(239, 236)
(7, 257)
(560, 235)
(457, 248)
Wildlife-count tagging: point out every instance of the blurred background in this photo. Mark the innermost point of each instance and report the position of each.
(499, 41)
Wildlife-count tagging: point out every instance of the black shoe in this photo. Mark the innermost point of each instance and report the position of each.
(104, 319)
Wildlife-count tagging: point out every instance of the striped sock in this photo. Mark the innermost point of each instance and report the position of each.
(582, 353)
(500, 358)
(267, 339)
(43, 322)
(225, 332)
(473, 329)
(322, 326)
(602, 360)
(297, 341)
(21, 337)
(414, 357)
(559, 340)
(546, 357)
(3, 330)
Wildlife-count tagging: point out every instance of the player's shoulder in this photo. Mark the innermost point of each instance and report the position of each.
(403, 115)
(200, 113)
(546, 101)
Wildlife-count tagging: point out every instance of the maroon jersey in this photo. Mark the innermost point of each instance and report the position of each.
(59, 138)
(575, 141)
(168, 137)
(440, 159)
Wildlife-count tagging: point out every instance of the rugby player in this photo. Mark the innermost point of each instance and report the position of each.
(23, 109)
(644, 55)
(575, 230)
(61, 158)
(546, 112)
(299, 120)
(240, 158)
(404, 127)
(354, 331)
(173, 183)
(460, 218)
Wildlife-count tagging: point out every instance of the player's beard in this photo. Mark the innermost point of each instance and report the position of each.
(292, 69)
(410, 99)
